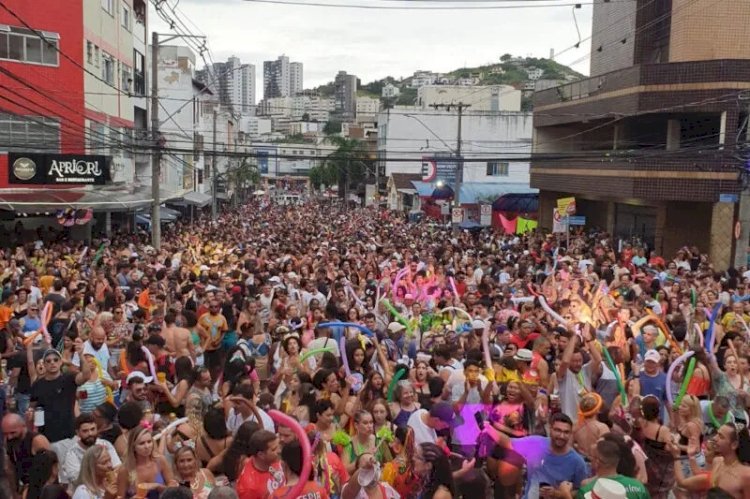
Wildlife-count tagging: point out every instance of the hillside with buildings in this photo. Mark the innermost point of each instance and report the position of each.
(522, 73)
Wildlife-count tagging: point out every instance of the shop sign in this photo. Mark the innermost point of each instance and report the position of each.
(57, 169)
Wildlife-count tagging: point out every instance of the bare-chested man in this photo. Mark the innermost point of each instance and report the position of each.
(177, 338)
(589, 429)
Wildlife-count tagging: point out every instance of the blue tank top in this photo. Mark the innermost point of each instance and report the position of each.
(402, 418)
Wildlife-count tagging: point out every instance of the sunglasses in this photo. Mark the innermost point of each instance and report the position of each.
(52, 360)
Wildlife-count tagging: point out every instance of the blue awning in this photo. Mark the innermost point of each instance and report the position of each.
(476, 192)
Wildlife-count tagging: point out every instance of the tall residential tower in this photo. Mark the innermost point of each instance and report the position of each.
(282, 78)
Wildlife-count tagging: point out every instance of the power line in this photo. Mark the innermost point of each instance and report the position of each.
(652, 23)
(400, 7)
(40, 35)
(601, 30)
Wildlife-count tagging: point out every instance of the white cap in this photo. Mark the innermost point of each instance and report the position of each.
(396, 327)
(478, 324)
(653, 356)
(138, 374)
(606, 488)
(524, 355)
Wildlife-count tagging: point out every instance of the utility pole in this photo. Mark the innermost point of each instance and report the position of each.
(214, 178)
(460, 167)
(156, 137)
(459, 159)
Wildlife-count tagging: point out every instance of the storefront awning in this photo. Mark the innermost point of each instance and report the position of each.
(44, 200)
(197, 199)
(192, 198)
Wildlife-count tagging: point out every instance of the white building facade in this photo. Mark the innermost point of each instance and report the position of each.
(484, 98)
(390, 91)
(115, 47)
(279, 160)
(367, 109)
(296, 79)
(496, 139)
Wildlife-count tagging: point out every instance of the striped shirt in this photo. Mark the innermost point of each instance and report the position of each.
(91, 394)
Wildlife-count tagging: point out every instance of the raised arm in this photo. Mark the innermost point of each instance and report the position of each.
(567, 355)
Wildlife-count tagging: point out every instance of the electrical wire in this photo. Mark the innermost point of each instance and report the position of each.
(40, 35)
(652, 23)
(402, 7)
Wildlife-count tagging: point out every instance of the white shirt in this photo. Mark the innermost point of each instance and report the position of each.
(324, 343)
(466, 430)
(35, 296)
(102, 355)
(235, 420)
(307, 297)
(83, 492)
(422, 432)
(71, 466)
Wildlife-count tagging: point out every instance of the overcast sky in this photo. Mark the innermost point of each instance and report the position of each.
(373, 44)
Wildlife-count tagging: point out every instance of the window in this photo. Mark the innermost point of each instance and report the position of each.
(127, 77)
(139, 79)
(108, 68)
(497, 169)
(50, 52)
(28, 133)
(89, 52)
(96, 56)
(33, 49)
(109, 6)
(97, 138)
(125, 17)
(24, 45)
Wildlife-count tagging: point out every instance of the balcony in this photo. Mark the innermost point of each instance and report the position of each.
(642, 89)
(659, 175)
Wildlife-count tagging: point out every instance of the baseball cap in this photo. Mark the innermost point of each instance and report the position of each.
(396, 327)
(653, 356)
(444, 412)
(50, 351)
(138, 374)
(478, 324)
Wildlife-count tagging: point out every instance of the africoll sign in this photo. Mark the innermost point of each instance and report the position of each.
(57, 169)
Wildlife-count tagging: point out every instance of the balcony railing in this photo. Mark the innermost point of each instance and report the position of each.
(722, 70)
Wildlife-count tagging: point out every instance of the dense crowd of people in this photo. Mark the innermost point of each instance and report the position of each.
(314, 352)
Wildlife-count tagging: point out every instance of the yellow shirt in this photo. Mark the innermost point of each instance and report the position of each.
(731, 319)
